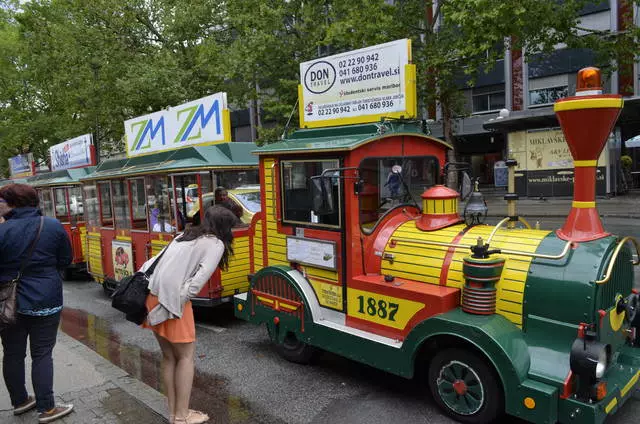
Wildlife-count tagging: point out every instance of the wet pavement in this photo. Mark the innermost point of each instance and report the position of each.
(100, 392)
(209, 393)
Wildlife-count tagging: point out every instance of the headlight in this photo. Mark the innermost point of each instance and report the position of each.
(603, 361)
(589, 358)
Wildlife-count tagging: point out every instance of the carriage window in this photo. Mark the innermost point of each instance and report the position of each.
(105, 204)
(187, 198)
(389, 182)
(297, 201)
(76, 204)
(91, 206)
(47, 206)
(159, 205)
(60, 198)
(236, 179)
(138, 204)
(121, 205)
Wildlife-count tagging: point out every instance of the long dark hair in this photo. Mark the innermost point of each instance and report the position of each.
(218, 222)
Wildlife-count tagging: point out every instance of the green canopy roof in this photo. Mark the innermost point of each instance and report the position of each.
(224, 155)
(62, 177)
(344, 138)
(14, 181)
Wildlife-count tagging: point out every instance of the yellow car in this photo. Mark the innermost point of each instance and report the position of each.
(247, 197)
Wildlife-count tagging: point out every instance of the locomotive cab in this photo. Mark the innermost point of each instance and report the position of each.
(360, 252)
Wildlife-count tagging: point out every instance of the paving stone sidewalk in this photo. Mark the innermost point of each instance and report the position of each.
(101, 392)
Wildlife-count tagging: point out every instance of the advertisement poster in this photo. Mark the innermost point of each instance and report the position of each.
(22, 166)
(202, 121)
(545, 164)
(122, 259)
(358, 86)
(75, 153)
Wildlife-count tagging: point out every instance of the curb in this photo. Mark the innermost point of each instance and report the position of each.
(151, 398)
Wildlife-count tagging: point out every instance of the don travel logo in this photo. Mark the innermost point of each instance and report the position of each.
(320, 77)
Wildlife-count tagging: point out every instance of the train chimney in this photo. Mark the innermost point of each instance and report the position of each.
(586, 120)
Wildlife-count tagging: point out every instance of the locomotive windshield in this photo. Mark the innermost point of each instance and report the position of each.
(296, 190)
(391, 182)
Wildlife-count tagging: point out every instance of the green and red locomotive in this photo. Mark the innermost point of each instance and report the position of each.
(538, 324)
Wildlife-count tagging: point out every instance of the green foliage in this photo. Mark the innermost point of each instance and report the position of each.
(69, 67)
(626, 162)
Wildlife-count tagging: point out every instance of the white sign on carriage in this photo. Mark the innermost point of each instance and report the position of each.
(74, 153)
(358, 86)
(202, 121)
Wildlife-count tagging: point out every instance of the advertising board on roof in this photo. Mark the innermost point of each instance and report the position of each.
(77, 152)
(358, 86)
(200, 122)
(22, 166)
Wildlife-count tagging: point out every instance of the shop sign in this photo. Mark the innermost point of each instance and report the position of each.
(75, 153)
(358, 86)
(539, 150)
(545, 162)
(122, 259)
(200, 122)
(22, 166)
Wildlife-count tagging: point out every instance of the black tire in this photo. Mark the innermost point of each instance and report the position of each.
(292, 349)
(465, 387)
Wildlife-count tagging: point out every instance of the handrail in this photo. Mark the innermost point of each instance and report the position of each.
(561, 255)
(614, 257)
(496, 228)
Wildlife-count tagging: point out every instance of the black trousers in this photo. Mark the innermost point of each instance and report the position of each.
(42, 333)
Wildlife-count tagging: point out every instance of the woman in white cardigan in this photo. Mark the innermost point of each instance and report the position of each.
(189, 262)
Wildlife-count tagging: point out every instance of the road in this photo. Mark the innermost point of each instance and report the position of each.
(240, 379)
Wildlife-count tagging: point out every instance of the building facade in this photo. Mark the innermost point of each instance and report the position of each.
(526, 129)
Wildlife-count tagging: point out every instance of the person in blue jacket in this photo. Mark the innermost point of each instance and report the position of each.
(39, 299)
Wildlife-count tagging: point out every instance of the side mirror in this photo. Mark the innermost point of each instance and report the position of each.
(322, 201)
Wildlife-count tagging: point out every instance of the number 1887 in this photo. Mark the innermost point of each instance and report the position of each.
(380, 308)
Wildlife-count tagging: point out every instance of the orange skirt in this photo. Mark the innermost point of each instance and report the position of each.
(179, 330)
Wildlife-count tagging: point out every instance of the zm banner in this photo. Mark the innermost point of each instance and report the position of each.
(358, 86)
(75, 153)
(203, 121)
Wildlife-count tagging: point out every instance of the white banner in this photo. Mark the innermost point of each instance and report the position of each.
(369, 83)
(75, 153)
(22, 166)
(202, 121)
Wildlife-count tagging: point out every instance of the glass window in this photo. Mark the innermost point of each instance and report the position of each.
(196, 213)
(138, 203)
(187, 198)
(76, 204)
(121, 205)
(390, 182)
(159, 205)
(235, 179)
(60, 197)
(47, 203)
(91, 206)
(105, 204)
(297, 200)
(487, 99)
(547, 95)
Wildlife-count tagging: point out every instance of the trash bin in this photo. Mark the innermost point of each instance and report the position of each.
(500, 174)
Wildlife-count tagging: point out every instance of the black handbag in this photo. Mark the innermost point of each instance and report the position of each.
(9, 289)
(130, 295)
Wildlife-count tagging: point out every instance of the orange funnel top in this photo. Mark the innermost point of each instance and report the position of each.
(586, 122)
